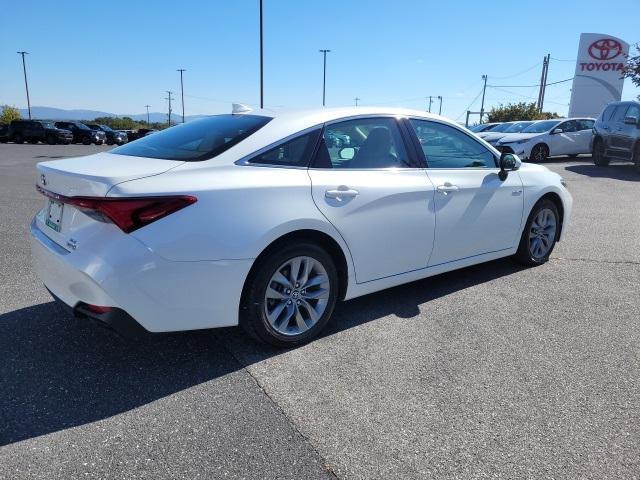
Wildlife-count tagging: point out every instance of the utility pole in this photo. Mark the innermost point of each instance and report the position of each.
(484, 89)
(181, 70)
(429, 109)
(440, 108)
(324, 75)
(148, 123)
(357, 99)
(169, 92)
(26, 85)
(543, 83)
(261, 62)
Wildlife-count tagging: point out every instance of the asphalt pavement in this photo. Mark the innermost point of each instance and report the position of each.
(492, 371)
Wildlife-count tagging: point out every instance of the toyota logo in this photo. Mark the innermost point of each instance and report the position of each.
(605, 49)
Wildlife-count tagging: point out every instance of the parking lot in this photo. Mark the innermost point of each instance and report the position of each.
(492, 371)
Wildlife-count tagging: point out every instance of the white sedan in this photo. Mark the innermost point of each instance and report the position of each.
(253, 219)
(549, 138)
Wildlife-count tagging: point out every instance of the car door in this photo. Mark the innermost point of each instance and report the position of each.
(377, 195)
(616, 132)
(585, 134)
(476, 212)
(627, 131)
(563, 138)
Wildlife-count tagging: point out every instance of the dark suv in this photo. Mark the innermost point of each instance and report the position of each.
(616, 134)
(82, 133)
(34, 131)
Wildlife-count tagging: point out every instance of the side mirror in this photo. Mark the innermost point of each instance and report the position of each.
(508, 163)
(631, 120)
(347, 153)
(556, 131)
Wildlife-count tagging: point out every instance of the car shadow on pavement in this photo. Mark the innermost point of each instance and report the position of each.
(58, 372)
(616, 171)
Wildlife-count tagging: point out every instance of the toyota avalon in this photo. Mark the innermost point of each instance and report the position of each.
(256, 219)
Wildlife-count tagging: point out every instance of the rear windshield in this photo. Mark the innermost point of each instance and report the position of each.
(197, 140)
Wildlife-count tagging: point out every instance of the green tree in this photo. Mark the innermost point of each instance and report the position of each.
(518, 111)
(9, 114)
(632, 69)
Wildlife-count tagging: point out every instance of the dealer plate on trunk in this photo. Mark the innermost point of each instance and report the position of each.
(54, 215)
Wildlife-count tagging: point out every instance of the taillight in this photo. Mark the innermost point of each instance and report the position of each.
(128, 213)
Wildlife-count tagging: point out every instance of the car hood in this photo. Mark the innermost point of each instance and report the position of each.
(515, 137)
(493, 136)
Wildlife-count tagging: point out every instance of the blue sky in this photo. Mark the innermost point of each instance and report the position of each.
(118, 56)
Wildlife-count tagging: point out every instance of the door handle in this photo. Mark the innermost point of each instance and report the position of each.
(341, 192)
(446, 188)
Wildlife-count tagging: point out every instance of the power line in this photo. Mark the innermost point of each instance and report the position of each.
(472, 102)
(530, 86)
(517, 74)
(564, 59)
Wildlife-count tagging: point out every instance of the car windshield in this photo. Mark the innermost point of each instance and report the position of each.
(517, 127)
(501, 128)
(540, 127)
(106, 128)
(197, 140)
(81, 126)
(482, 128)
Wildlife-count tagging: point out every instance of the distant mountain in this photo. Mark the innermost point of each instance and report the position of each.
(50, 113)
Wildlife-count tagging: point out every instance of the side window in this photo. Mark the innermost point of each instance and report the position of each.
(448, 147)
(363, 143)
(606, 114)
(618, 114)
(293, 153)
(569, 127)
(585, 124)
(633, 111)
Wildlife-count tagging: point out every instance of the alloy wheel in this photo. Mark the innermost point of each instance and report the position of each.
(539, 154)
(297, 295)
(542, 233)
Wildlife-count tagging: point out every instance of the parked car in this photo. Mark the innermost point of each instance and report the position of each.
(617, 134)
(82, 133)
(484, 127)
(34, 131)
(4, 133)
(492, 136)
(251, 219)
(112, 136)
(141, 132)
(550, 138)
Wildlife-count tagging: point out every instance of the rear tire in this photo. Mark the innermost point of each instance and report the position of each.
(284, 308)
(540, 234)
(539, 153)
(18, 138)
(51, 140)
(599, 154)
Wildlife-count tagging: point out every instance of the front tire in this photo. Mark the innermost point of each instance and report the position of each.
(290, 295)
(540, 234)
(51, 140)
(86, 141)
(599, 154)
(539, 153)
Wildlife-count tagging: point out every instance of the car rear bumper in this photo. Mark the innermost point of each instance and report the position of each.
(160, 295)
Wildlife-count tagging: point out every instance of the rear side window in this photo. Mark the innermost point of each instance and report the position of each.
(195, 141)
(606, 114)
(633, 111)
(293, 153)
(448, 147)
(618, 114)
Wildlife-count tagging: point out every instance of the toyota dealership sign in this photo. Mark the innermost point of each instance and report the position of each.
(598, 78)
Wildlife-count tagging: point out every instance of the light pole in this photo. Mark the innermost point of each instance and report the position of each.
(26, 85)
(148, 123)
(484, 89)
(169, 92)
(261, 62)
(181, 70)
(440, 108)
(357, 99)
(430, 101)
(324, 75)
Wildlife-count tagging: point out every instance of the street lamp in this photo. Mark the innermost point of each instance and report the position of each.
(147, 107)
(26, 85)
(324, 75)
(440, 108)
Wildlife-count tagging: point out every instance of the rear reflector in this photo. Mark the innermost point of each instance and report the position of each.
(128, 213)
(97, 309)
